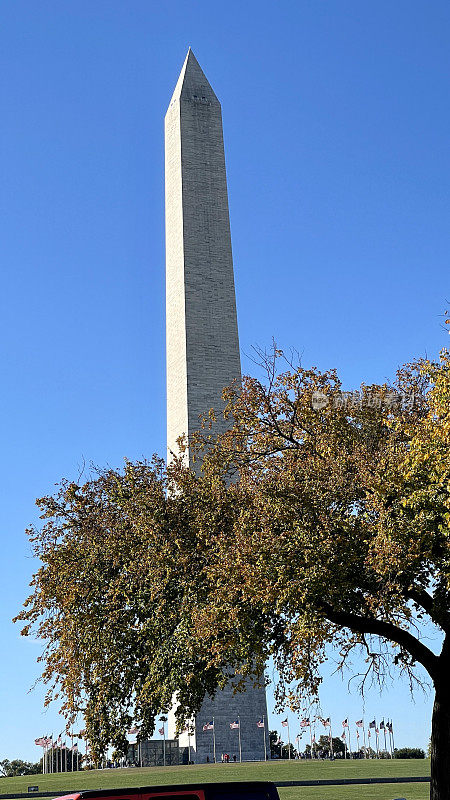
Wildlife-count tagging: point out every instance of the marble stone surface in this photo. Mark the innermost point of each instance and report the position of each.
(202, 336)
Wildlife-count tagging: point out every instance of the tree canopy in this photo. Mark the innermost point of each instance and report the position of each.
(319, 520)
(16, 767)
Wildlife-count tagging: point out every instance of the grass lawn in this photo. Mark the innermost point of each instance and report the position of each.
(272, 771)
(388, 791)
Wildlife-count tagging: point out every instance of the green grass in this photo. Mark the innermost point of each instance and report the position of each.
(388, 791)
(272, 771)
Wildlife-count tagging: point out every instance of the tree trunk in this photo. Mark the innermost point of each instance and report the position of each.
(440, 739)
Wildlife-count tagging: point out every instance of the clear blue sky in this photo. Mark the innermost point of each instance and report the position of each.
(336, 119)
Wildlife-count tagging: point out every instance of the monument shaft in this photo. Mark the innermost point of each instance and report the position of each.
(202, 333)
(202, 337)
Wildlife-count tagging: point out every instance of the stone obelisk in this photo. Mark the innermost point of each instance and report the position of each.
(202, 337)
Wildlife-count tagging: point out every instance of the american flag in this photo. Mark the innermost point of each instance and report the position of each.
(260, 723)
(345, 723)
(382, 725)
(75, 747)
(304, 722)
(368, 734)
(389, 727)
(285, 722)
(372, 724)
(359, 724)
(209, 726)
(234, 725)
(343, 735)
(134, 730)
(326, 722)
(40, 742)
(377, 730)
(161, 731)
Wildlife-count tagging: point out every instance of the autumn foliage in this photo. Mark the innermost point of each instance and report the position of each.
(319, 521)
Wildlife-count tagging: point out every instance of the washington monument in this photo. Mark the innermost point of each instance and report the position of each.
(202, 341)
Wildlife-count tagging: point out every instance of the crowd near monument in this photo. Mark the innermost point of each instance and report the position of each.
(203, 344)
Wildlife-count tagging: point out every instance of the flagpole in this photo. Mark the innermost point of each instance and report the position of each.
(331, 742)
(384, 731)
(214, 741)
(364, 735)
(164, 744)
(264, 732)
(43, 759)
(392, 734)
(349, 741)
(189, 744)
(240, 748)
(289, 740)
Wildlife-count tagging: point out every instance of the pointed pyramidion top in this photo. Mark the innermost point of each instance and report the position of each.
(192, 83)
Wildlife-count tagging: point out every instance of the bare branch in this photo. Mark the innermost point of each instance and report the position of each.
(387, 630)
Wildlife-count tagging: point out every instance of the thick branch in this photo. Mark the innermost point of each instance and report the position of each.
(422, 598)
(387, 630)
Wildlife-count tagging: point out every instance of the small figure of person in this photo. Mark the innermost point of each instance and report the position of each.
(234, 757)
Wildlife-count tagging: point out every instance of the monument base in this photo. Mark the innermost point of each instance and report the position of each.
(247, 708)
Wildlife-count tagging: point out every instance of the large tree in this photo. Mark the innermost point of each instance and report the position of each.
(320, 520)
(16, 767)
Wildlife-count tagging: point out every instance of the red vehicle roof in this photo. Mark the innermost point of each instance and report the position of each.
(229, 790)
